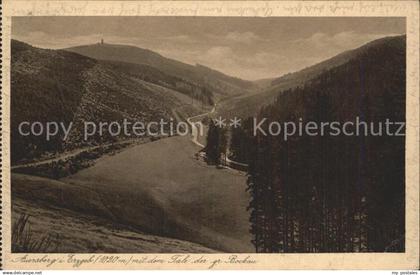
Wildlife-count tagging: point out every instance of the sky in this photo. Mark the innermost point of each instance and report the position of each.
(246, 47)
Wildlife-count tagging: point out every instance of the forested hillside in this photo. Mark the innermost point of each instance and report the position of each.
(65, 87)
(332, 193)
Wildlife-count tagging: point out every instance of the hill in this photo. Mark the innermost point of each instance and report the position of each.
(249, 104)
(61, 86)
(328, 192)
(218, 83)
(153, 75)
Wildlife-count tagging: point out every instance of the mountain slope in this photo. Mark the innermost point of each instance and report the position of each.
(217, 82)
(60, 86)
(350, 183)
(249, 105)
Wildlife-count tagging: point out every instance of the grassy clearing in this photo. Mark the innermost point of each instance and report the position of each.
(162, 189)
(55, 217)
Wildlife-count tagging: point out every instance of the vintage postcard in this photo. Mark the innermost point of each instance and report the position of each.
(210, 135)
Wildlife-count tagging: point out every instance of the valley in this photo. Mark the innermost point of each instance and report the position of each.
(158, 194)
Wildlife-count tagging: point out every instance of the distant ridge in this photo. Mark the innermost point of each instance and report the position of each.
(249, 105)
(218, 82)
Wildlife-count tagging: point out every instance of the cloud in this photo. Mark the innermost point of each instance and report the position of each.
(235, 37)
(182, 39)
(334, 43)
(43, 40)
(254, 65)
(243, 37)
(218, 53)
(219, 57)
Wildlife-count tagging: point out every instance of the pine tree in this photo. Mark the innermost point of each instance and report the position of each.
(212, 146)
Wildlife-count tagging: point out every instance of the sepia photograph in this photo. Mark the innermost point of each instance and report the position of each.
(81, 182)
(208, 135)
